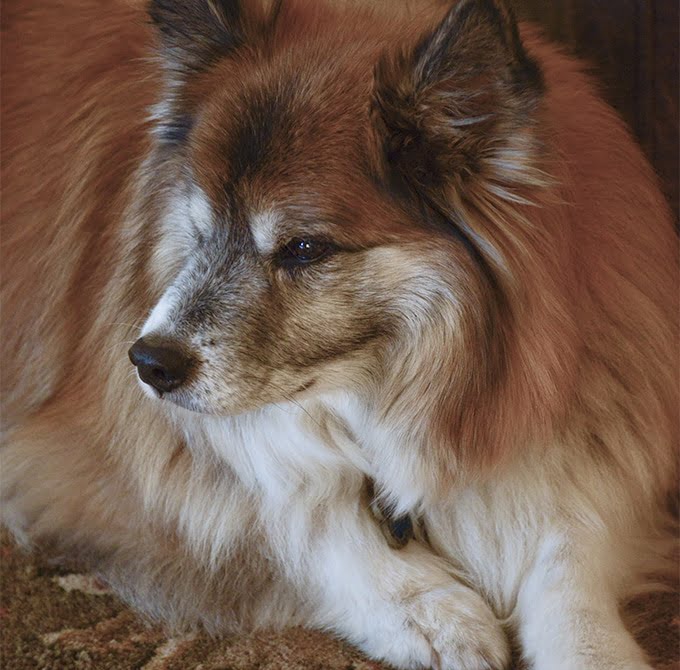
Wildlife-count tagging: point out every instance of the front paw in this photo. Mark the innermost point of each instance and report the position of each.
(463, 631)
(447, 628)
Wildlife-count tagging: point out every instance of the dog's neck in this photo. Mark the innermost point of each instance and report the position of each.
(291, 448)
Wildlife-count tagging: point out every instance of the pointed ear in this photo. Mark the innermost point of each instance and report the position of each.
(447, 107)
(194, 33)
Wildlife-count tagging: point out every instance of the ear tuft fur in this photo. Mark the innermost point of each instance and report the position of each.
(196, 32)
(445, 107)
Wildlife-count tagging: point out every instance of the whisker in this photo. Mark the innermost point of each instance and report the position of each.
(123, 323)
(295, 402)
(126, 343)
(133, 326)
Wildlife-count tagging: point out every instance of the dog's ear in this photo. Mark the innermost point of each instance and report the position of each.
(194, 33)
(444, 108)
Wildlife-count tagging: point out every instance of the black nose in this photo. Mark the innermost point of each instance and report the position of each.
(160, 362)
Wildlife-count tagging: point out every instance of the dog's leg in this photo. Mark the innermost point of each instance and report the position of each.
(399, 605)
(569, 618)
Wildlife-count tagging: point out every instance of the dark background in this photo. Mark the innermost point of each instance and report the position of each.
(633, 46)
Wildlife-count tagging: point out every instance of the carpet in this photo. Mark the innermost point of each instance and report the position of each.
(51, 618)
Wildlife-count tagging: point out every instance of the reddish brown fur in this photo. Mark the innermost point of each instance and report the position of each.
(568, 316)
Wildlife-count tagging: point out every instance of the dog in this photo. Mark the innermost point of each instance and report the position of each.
(269, 267)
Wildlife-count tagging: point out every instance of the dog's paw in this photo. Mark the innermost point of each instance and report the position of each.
(462, 630)
(448, 628)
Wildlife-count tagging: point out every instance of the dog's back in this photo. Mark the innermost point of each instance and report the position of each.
(76, 89)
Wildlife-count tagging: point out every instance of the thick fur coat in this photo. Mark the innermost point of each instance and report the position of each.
(396, 256)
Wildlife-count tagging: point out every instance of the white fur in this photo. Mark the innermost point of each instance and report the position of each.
(160, 313)
(404, 607)
(263, 227)
(200, 211)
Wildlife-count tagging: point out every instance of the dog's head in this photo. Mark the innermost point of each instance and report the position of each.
(338, 182)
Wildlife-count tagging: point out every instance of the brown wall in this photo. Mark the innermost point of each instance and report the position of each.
(634, 47)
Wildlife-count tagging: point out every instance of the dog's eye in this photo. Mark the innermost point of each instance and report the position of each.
(299, 251)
